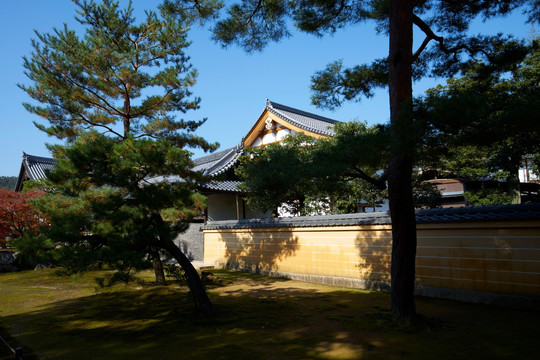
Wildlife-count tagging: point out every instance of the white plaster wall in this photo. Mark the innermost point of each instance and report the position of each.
(257, 142)
(269, 138)
(281, 134)
(383, 207)
(523, 175)
(221, 207)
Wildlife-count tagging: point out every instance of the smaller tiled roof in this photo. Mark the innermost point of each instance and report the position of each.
(302, 221)
(222, 186)
(517, 212)
(307, 121)
(34, 168)
(219, 162)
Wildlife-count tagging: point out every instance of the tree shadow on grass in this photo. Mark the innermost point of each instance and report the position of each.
(259, 319)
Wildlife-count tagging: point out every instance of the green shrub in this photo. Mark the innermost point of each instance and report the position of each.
(120, 276)
(177, 273)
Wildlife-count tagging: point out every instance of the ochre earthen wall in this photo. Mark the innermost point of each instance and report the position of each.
(454, 260)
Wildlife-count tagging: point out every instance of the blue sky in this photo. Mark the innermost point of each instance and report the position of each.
(233, 85)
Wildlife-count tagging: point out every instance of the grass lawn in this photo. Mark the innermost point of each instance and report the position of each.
(260, 318)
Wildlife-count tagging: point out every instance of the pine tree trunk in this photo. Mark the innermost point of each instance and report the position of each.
(194, 281)
(401, 161)
(158, 268)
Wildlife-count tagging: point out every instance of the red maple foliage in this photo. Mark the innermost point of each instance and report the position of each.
(16, 214)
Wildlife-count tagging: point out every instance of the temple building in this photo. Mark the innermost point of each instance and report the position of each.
(225, 201)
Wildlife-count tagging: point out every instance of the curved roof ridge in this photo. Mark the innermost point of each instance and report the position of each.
(277, 106)
(302, 119)
(38, 159)
(216, 167)
(211, 157)
(228, 158)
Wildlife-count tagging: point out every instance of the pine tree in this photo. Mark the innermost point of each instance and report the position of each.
(113, 95)
(252, 24)
(486, 120)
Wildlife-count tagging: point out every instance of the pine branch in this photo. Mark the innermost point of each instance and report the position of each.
(149, 109)
(430, 35)
(92, 124)
(379, 183)
(82, 86)
(336, 13)
(253, 13)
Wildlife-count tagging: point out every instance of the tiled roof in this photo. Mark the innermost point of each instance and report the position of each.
(465, 214)
(34, 168)
(217, 163)
(302, 119)
(530, 211)
(302, 221)
(37, 166)
(163, 178)
(225, 185)
(214, 164)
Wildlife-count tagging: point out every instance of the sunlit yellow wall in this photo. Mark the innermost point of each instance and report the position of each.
(491, 257)
(501, 257)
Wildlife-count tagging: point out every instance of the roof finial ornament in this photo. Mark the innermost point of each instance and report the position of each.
(268, 103)
(269, 124)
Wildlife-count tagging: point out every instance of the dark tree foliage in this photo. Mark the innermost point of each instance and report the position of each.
(446, 48)
(485, 122)
(336, 174)
(123, 187)
(281, 178)
(306, 176)
(8, 182)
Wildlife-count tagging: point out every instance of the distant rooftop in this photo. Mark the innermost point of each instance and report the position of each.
(34, 168)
